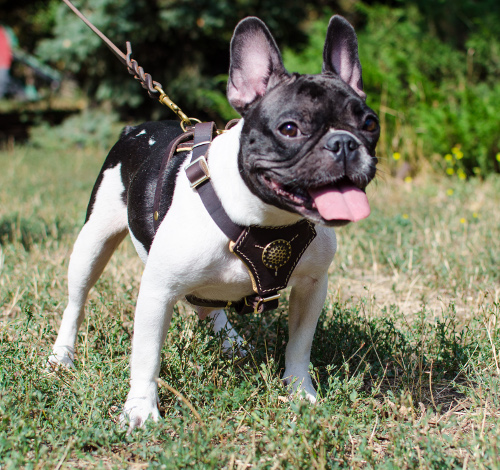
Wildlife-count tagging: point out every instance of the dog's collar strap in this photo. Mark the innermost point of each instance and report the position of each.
(269, 253)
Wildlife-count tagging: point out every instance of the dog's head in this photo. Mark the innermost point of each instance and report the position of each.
(308, 141)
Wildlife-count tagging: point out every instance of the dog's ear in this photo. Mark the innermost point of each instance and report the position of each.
(256, 64)
(340, 54)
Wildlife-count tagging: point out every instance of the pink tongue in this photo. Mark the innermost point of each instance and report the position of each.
(346, 202)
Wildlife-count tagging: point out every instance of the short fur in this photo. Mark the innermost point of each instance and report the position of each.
(298, 133)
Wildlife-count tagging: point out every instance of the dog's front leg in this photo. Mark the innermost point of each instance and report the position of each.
(152, 319)
(306, 302)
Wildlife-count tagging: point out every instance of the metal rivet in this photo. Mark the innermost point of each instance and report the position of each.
(155, 215)
(276, 254)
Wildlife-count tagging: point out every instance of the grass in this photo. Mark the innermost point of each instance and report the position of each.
(405, 355)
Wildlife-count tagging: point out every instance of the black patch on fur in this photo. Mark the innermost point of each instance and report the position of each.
(141, 164)
(316, 104)
(312, 89)
(142, 191)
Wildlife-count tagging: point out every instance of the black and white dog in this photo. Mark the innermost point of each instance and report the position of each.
(305, 148)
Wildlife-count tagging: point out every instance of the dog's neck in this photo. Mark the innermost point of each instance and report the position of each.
(242, 206)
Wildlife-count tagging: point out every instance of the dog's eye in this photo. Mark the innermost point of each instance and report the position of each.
(289, 129)
(370, 125)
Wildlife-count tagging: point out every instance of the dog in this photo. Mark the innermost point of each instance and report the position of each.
(304, 149)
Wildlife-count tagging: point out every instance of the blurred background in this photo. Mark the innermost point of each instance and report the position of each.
(430, 68)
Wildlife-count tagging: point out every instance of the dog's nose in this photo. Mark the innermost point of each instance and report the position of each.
(342, 145)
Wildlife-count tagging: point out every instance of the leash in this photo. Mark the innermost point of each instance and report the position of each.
(154, 88)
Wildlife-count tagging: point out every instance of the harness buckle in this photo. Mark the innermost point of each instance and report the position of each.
(271, 297)
(260, 301)
(197, 172)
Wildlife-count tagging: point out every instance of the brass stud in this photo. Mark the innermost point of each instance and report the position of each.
(155, 215)
(276, 254)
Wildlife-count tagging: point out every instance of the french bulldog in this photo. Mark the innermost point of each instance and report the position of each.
(304, 148)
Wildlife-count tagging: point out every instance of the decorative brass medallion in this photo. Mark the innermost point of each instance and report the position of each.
(276, 254)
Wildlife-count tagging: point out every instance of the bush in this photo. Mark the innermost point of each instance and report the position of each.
(184, 45)
(431, 96)
(92, 127)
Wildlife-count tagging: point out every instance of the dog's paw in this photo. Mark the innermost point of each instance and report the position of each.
(137, 411)
(304, 394)
(62, 356)
(300, 387)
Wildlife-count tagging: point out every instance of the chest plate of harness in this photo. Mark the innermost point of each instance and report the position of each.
(272, 253)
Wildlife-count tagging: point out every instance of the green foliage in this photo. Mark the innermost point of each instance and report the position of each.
(431, 96)
(91, 128)
(183, 44)
(430, 68)
(14, 228)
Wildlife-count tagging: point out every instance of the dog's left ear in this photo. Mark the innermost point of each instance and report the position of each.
(256, 64)
(340, 54)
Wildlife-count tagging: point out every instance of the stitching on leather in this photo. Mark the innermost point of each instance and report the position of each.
(297, 259)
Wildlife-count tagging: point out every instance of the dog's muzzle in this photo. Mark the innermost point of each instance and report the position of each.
(343, 145)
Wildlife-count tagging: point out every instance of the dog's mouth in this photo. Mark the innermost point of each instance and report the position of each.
(339, 202)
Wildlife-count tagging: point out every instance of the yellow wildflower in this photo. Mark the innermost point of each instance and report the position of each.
(475, 215)
(396, 156)
(498, 157)
(450, 171)
(449, 192)
(455, 149)
(459, 155)
(448, 157)
(461, 174)
(408, 179)
(405, 216)
(462, 220)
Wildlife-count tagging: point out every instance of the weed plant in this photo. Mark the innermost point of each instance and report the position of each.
(405, 357)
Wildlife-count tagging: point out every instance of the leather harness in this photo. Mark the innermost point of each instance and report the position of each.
(269, 253)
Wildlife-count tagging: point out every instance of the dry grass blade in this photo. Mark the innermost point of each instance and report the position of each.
(181, 397)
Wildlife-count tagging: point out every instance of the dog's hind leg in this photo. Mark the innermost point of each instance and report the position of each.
(105, 228)
(233, 341)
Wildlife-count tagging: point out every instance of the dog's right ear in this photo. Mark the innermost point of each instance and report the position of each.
(256, 64)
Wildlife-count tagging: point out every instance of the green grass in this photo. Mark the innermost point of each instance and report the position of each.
(405, 355)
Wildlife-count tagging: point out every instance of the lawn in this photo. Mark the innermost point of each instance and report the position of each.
(405, 355)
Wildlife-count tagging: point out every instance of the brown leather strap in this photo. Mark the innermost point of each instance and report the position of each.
(133, 67)
(198, 175)
(249, 304)
(231, 123)
(172, 146)
(269, 253)
(203, 135)
(272, 253)
(192, 299)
